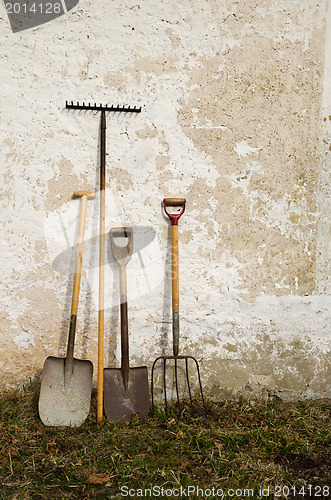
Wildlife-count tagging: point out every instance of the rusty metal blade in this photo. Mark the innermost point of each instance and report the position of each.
(120, 404)
(63, 404)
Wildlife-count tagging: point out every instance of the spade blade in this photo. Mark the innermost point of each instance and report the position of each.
(121, 404)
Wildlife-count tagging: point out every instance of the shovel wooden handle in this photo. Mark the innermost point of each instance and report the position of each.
(79, 194)
(75, 296)
(84, 195)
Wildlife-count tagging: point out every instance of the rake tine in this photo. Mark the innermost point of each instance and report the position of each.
(102, 107)
(176, 382)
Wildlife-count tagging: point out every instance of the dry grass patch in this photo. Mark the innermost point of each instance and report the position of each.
(242, 447)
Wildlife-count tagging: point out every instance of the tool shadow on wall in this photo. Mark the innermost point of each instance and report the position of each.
(142, 279)
(166, 327)
(143, 271)
(65, 263)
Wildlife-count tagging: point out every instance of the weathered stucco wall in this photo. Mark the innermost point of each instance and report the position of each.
(236, 106)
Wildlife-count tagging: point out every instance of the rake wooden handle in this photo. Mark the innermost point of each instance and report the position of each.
(102, 243)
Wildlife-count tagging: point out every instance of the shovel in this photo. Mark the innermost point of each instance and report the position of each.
(66, 384)
(125, 389)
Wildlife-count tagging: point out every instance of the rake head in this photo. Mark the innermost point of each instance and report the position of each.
(164, 359)
(102, 107)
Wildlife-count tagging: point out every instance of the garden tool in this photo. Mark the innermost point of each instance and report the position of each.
(101, 315)
(174, 208)
(66, 384)
(126, 389)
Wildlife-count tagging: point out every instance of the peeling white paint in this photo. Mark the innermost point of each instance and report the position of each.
(243, 149)
(242, 178)
(24, 340)
(231, 97)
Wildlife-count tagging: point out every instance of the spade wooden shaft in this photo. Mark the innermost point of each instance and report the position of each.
(124, 327)
(122, 254)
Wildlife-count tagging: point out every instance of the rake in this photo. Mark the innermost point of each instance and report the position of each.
(102, 241)
(174, 208)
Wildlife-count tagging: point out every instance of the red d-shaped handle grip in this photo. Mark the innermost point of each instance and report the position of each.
(174, 202)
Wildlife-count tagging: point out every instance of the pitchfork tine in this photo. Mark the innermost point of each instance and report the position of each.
(164, 384)
(176, 358)
(203, 401)
(188, 383)
(176, 382)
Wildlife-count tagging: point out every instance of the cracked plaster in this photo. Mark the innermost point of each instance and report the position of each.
(236, 118)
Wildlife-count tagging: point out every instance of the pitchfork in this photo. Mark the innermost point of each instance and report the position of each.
(174, 208)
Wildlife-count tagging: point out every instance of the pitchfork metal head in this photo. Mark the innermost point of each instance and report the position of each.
(164, 359)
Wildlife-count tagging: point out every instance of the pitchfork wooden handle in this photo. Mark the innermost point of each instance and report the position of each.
(175, 288)
(174, 217)
(174, 202)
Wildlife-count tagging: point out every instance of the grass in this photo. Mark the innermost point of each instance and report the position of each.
(248, 450)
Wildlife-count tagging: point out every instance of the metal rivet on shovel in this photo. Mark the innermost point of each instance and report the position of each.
(126, 389)
(66, 384)
(174, 208)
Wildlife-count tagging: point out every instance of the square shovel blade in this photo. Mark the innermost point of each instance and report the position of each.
(61, 405)
(120, 404)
